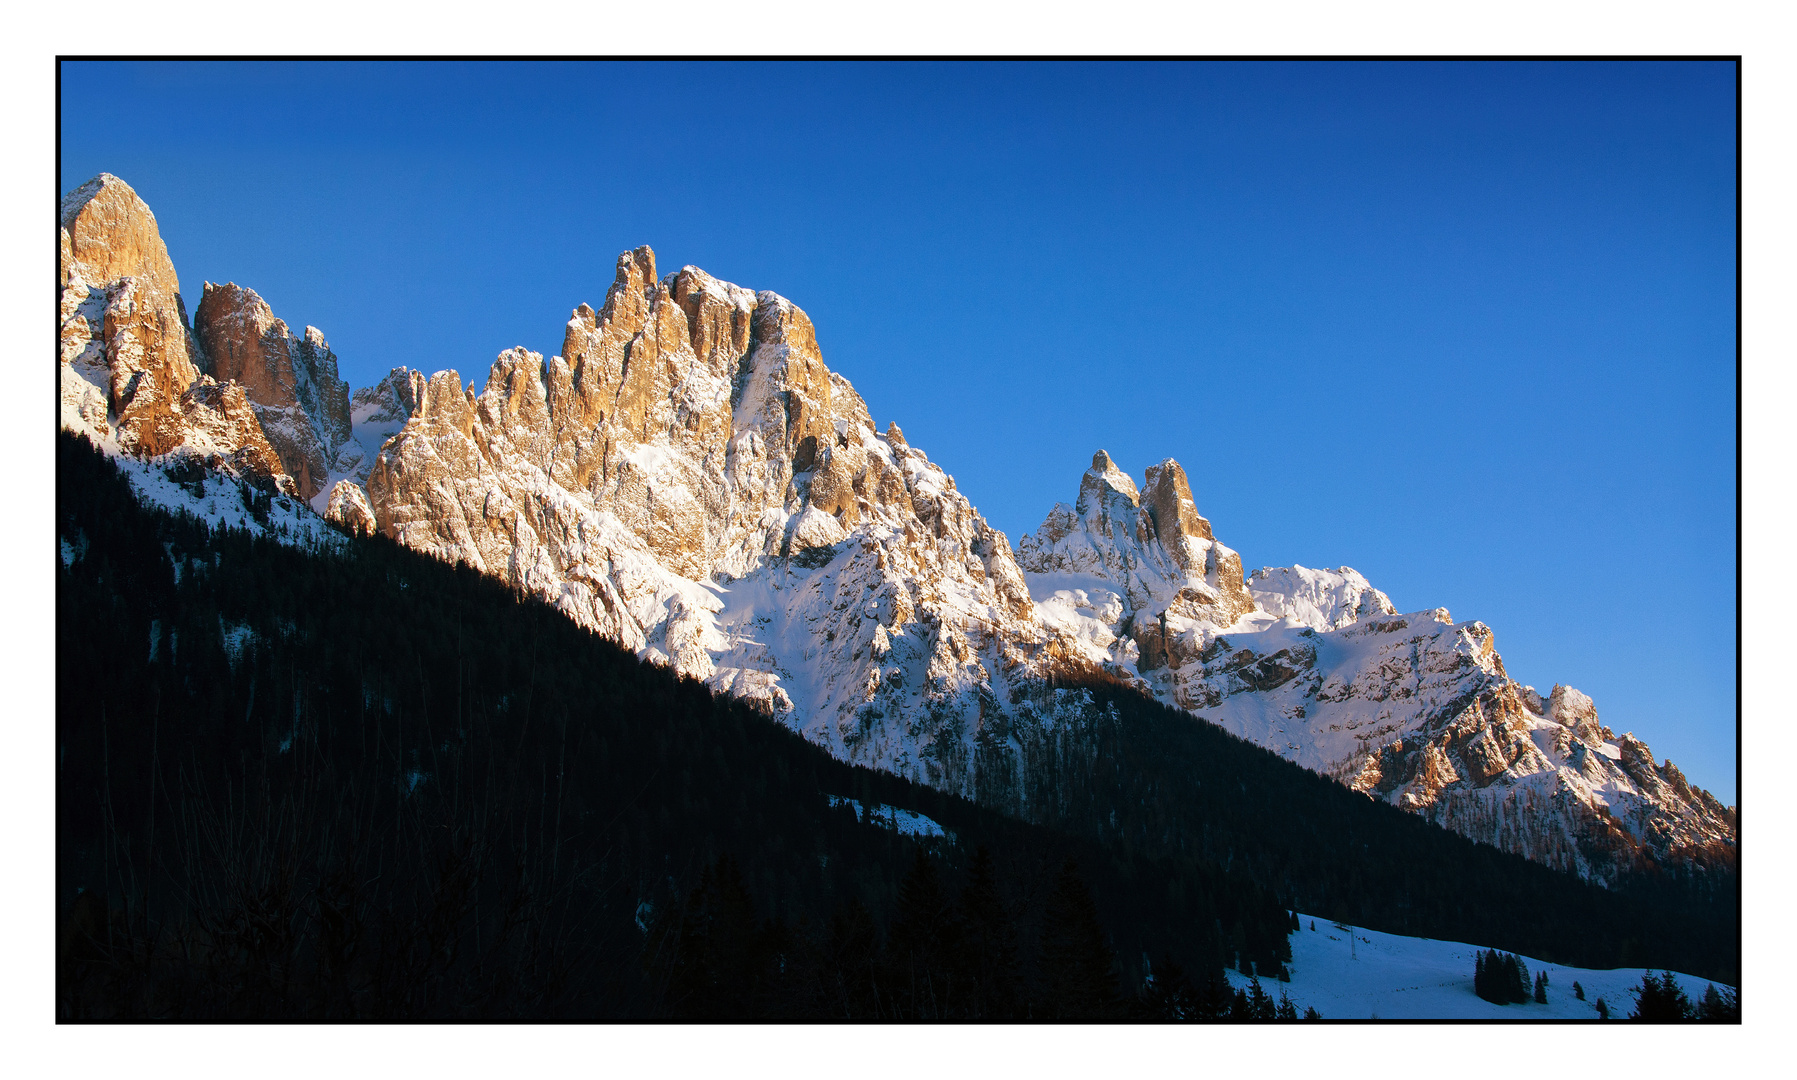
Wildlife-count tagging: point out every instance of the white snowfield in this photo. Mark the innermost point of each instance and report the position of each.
(897, 818)
(1389, 977)
(218, 498)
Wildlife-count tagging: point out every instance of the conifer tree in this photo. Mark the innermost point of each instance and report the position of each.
(1541, 988)
(1719, 1007)
(1660, 999)
(1077, 965)
(717, 949)
(988, 945)
(1286, 1010)
(851, 983)
(1603, 1011)
(1168, 994)
(1578, 991)
(923, 944)
(1260, 1005)
(1214, 998)
(1518, 984)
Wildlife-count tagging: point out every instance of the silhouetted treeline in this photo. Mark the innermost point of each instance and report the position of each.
(1659, 999)
(366, 784)
(981, 950)
(1149, 778)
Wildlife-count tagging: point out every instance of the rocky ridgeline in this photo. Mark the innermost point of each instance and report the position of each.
(689, 479)
(1318, 666)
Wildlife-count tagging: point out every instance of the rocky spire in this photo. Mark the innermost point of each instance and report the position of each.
(290, 380)
(126, 297)
(130, 364)
(1168, 500)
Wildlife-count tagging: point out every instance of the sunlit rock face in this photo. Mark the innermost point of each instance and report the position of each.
(130, 369)
(291, 381)
(690, 479)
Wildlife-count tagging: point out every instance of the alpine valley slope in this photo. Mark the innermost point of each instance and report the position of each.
(690, 480)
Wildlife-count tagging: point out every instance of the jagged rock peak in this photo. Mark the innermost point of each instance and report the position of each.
(395, 397)
(1103, 482)
(110, 233)
(130, 373)
(1174, 581)
(1576, 711)
(1168, 499)
(290, 379)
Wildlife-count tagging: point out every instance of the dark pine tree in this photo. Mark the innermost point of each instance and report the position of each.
(1078, 969)
(1286, 1010)
(1541, 988)
(1257, 1005)
(1578, 991)
(992, 984)
(1518, 982)
(1719, 1007)
(718, 958)
(1168, 995)
(1660, 999)
(1214, 998)
(850, 975)
(924, 945)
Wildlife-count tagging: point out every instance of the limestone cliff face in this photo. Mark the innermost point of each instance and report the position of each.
(291, 381)
(130, 367)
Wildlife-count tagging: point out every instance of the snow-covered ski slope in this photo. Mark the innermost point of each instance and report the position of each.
(1409, 978)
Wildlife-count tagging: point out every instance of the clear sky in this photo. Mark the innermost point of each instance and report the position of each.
(1467, 328)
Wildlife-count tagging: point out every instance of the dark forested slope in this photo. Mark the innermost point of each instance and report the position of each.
(362, 783)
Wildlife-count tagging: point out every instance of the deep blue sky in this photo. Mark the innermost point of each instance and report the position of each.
(1468, 328)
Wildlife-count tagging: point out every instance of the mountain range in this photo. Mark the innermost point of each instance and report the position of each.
(689, 480)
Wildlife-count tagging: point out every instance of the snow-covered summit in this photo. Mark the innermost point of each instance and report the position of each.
(1319, 667)
(1171, 576)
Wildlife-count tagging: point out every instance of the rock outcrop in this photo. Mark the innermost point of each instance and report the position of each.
(347, 508)
(291, 381)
